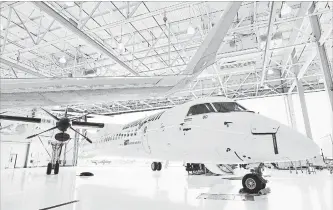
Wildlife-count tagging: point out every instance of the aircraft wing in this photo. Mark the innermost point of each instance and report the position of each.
(64, 91)
(206, 54)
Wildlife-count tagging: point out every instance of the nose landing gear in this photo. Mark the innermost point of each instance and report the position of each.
(55, 159)
(254, 183)
(156, 166)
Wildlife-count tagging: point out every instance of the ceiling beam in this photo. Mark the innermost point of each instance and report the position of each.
(205, 56)
(294, 34)
(107, 26)
(302, 71)
(134, 10)
(21, 68)
(274, 7)
(324, 60)
(52, 13)
(7, 29)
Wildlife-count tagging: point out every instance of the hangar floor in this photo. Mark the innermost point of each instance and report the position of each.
(140, 188)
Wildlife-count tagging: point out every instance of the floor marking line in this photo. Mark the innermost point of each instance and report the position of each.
(62, 204)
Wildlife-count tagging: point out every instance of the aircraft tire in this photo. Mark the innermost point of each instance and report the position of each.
(56, 168)
(159, 166)
(49, 168)
(153, 166)
(252, 183)
(263, 185)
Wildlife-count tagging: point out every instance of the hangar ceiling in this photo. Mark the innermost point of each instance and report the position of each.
(112, 39)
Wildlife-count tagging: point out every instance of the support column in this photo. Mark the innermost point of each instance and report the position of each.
(290, 111)
(75, 149)
(65, 152)
(328, 78)
(33, 114)
(301, 95)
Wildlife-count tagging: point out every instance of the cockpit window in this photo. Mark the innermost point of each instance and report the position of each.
(200, 109)
(228, 107)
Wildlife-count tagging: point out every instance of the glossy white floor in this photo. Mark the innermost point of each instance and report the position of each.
(134, 187)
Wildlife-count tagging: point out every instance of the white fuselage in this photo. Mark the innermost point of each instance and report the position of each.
(213, 137)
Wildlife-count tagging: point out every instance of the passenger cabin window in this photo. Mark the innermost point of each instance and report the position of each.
(200, 109)
(228, 107)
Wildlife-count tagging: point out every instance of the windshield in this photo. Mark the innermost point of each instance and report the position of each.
(200, 109)
(228, 107)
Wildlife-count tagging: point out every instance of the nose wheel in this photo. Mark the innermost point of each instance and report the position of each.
(253, 183)
(156, 166)
(55, 159)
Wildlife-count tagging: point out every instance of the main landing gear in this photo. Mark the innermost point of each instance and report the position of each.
(254, 183)
(55, 159)
(156, 166)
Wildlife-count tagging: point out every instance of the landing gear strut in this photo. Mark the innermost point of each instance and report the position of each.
(156, 166)
(55, 158)
(254, 182)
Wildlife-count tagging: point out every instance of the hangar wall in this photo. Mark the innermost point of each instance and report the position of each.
(13, 154)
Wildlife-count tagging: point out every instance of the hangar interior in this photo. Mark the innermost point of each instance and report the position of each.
(101, 59)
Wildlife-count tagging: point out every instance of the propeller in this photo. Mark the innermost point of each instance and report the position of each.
(29, 137)
(54, 117)
(66, 111)
(62, 124)
(86, 138)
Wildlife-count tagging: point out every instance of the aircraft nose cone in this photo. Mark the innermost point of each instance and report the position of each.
(294, 145)
(278, 142)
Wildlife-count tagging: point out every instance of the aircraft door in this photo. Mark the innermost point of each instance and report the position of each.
(195, 130)
(144, 139)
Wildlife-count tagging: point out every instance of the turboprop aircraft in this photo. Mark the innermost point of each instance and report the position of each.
(210, 130)
(213, 130)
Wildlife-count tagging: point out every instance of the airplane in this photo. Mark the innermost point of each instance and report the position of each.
(207, 130)
(211, 130)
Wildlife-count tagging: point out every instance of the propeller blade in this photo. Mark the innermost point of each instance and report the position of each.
(54, 117)
(86, 138)
(22, 119)
(88, 124)
(29, 137)
(66, 112)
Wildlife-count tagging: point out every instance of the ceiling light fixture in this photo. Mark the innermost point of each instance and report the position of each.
(121, 46)
(285, 10)
(62, 60)
(190, 30)
(70, 3)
